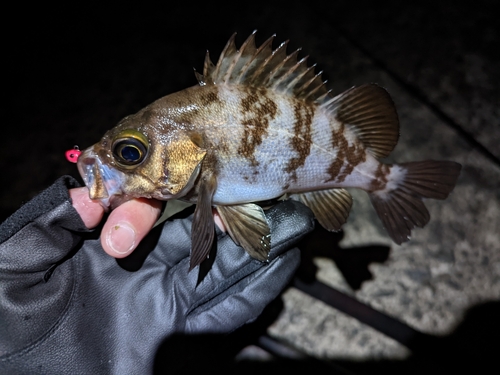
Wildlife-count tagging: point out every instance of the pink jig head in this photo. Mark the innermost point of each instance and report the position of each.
(73, 154)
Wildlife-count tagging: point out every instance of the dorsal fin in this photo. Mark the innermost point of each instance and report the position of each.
(264, 67)
(369, 112)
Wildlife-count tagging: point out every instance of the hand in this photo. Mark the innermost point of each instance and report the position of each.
(127, 224)
(125, 227)
(86, 310)
(226, 298)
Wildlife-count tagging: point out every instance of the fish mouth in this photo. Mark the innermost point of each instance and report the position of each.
(104, 182)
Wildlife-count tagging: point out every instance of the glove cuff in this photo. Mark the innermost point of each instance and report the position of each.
(44, 202)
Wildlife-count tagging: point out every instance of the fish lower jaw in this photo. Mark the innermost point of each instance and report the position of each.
(117, 200)
(103, 181)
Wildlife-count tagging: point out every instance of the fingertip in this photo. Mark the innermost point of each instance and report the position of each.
(127, 225)
(218, 220)
(89, 210)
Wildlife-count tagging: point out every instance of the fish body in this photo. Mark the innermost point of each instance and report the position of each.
(261, 125)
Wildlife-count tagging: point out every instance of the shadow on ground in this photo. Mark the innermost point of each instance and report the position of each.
(472, 347)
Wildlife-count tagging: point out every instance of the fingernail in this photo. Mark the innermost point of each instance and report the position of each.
(121, 238)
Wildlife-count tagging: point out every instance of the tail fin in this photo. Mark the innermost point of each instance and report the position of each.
(399, 205)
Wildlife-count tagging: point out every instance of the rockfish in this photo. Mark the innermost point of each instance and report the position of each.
(261, 125)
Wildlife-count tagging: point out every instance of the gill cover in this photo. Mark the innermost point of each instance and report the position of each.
(182, 165)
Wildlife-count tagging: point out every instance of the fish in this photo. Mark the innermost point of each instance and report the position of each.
(261, 125)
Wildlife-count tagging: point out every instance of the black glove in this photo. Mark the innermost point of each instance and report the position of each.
(66, 307)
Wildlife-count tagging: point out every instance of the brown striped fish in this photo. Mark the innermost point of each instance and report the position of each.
(260, 125)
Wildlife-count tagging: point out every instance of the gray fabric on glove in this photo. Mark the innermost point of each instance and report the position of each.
(66, 307)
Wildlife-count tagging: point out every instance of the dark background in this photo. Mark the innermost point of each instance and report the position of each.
(73, 71)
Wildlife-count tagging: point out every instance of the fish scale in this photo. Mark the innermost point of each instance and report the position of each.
(240, 181)
(260, 125)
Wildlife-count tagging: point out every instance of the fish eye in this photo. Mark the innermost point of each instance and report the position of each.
(130, 148)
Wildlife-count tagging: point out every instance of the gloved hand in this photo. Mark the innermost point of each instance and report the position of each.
(68, 307)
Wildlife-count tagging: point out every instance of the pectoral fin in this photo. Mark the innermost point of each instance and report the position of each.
(247, 225)
(331, 207)
(203, 229)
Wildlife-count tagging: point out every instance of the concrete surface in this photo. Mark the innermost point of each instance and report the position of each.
(77, 73)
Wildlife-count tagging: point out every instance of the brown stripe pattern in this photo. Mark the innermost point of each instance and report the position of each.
(257, 110)
(350, 156)
(381, 177)
(302, 139)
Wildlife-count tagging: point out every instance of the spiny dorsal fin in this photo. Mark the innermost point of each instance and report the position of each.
(370, 113)
(264, 67)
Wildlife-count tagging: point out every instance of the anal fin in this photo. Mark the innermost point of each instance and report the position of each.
(330, 207)
(247, 225)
